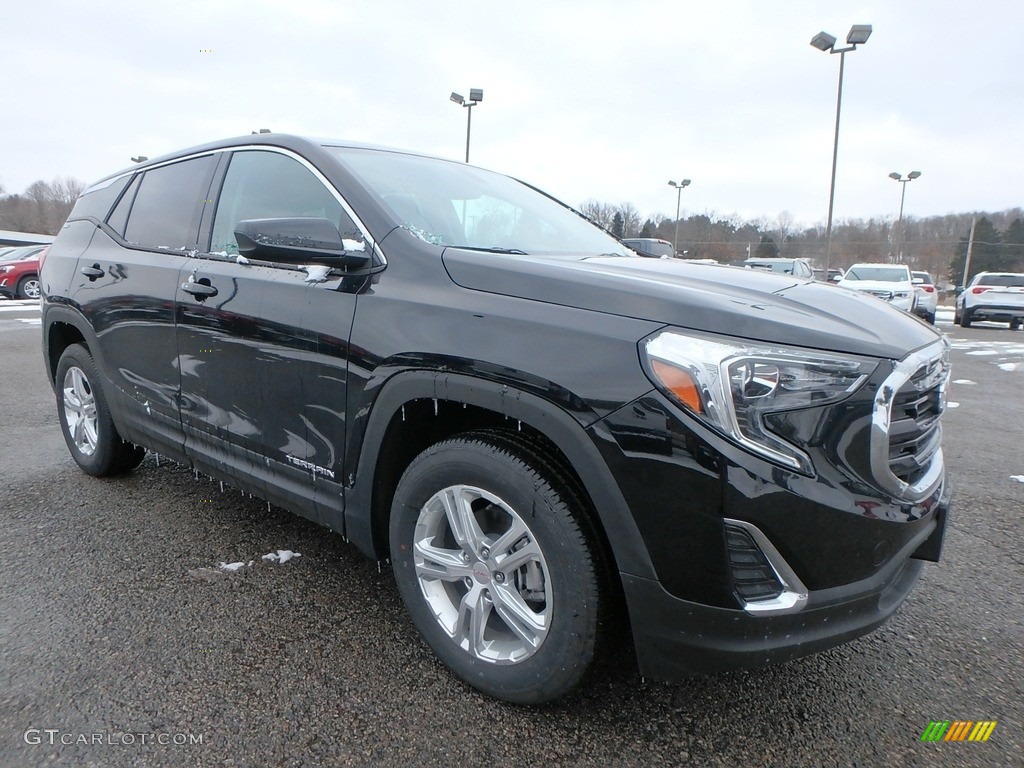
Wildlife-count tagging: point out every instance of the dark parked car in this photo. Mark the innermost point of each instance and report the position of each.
(19, 272)
(550, 438)
(796, 267)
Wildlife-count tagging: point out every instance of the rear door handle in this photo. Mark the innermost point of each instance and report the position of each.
(201, 290)
(93, 272)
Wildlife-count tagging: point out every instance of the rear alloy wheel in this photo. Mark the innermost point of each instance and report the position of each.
(28, 288)
(494, 568)
(85, 419)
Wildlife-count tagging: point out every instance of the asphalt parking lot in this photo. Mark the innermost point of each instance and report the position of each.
(124, 643)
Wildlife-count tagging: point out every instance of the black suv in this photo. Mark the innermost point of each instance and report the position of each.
(549, 437)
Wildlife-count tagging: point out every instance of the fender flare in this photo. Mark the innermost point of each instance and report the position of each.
(67, 315)
(567, 434)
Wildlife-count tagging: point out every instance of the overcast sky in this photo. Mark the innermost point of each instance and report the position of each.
(587, 100)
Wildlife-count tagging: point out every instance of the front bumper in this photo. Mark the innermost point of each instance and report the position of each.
(677, 638)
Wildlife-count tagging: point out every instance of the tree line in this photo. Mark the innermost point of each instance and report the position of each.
(42, 208)
(935, 244)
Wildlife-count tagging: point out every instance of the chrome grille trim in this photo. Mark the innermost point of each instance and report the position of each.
(913, 380)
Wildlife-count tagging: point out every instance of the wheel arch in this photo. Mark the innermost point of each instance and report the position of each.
(63, 327)
(418, 408)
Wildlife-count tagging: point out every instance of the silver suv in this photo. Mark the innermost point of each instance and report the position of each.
(927, 296)
(995, 296)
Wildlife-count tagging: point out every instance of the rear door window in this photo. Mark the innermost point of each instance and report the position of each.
(165, 213)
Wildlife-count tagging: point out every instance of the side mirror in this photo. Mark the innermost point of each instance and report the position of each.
(297, 241)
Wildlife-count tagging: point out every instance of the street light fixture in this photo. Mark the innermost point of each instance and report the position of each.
(823, 41)
(897, 176)
(679, 193)
(476, 95)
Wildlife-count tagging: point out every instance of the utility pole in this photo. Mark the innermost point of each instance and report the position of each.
(970, 247)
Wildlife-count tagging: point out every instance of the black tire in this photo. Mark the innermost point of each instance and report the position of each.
(930, 317)
(965, 319)
(1015, 324)
(28, 287)
(555, 575)
(85, 419)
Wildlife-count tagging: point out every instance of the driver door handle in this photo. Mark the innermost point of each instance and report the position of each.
(200, 290)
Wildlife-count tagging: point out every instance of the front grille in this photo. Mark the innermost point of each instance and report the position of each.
(915, 431)
(886, 295)
(906, 450)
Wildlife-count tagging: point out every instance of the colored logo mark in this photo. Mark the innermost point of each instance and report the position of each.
(958, 730)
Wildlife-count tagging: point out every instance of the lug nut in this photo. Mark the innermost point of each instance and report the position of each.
(485, 552)
(499, 577)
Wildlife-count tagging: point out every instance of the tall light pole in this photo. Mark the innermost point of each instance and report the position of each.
(897, 176)
(679, 193)
(823, 41)
(476, 95)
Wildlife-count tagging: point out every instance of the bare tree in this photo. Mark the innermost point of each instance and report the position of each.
(42, 208)
(601, 214)
(631, 221)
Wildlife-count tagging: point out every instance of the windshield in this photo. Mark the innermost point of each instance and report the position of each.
(881, 274)
(451, 204)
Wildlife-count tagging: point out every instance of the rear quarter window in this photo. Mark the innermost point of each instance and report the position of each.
(165, 213)
(95, 202)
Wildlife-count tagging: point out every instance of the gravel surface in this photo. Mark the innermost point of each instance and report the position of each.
(118, 626)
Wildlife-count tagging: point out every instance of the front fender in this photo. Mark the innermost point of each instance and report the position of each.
(567, 434)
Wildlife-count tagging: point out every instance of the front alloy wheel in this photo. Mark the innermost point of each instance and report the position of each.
(492, 557)
(28, 288)
(482, 573)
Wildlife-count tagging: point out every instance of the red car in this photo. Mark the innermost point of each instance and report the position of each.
(19, 272)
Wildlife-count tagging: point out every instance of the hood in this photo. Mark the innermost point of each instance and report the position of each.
(744, 303)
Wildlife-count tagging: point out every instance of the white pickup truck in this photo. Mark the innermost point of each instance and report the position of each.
(997, 296)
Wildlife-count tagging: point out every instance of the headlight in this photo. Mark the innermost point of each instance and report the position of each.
(6, 268)
(731, 385)
(901, 295)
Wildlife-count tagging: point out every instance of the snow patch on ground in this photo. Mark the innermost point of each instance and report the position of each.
(1018, 478)
(282, 556)
(952, 405)
(222, 569)
(234, 566)
(1007, 366)
(964, 381)
(984, 352)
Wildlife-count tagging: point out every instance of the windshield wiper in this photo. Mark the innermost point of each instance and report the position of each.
(494, 249)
